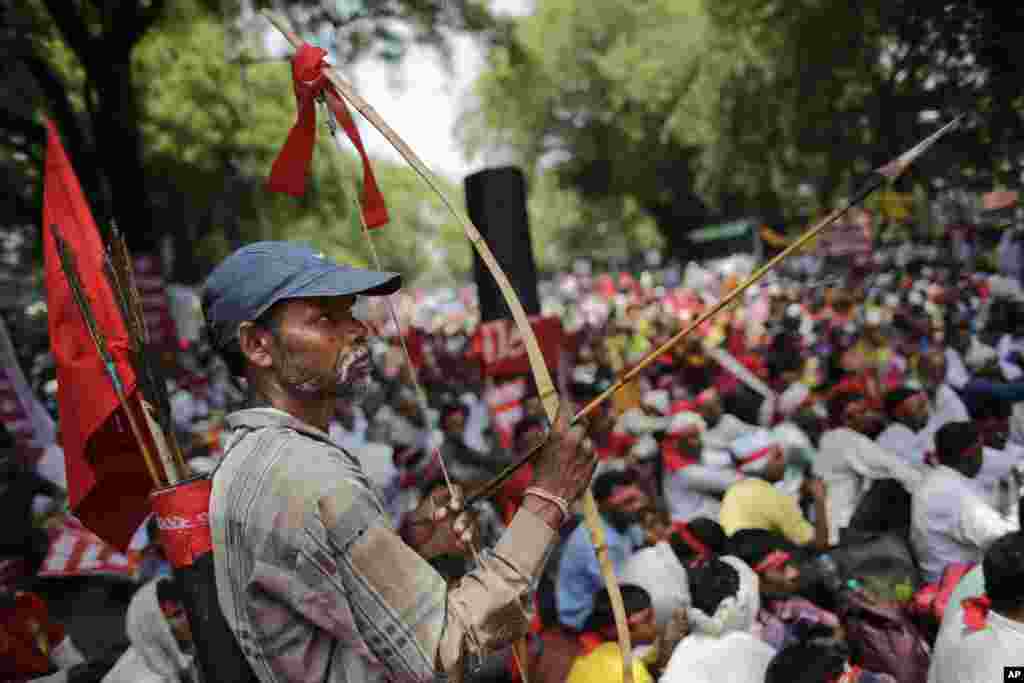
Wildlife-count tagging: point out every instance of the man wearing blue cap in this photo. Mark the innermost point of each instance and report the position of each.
(311, 577)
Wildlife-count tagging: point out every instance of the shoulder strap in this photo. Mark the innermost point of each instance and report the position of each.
(225, 473)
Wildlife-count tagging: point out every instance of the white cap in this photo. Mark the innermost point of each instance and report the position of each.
(645, 447)
(685, 421)
(657, 399)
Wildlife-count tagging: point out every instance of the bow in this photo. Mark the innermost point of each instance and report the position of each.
(541, 374)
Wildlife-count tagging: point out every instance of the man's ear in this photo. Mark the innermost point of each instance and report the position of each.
(255, 343)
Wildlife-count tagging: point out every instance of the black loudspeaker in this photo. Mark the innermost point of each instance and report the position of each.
(496, 201)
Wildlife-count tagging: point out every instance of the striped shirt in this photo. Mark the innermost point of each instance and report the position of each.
(316, 585)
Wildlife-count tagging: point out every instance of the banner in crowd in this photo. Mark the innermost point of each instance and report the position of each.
(499, 347)
(76, 551)
(853, 236)
(156, 309)
(506, 403)
(21, 413)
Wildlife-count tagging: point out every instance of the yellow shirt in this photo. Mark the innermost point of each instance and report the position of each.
(604, 665)
(755, 504)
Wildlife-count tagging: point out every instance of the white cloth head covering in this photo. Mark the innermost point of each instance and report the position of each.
(979, 355)
(721, 647)
(792, 398)
(685, 421)
(151, 635)
(658, 400)
(736, 612)
(748, 444)
(646, 446)
(658, 571)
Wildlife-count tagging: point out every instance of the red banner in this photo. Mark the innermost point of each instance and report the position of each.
(499, 347)
(506, 404)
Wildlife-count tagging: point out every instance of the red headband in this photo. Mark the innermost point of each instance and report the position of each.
(774, 560)
(756, 455)
(704, 396)
(691, 541)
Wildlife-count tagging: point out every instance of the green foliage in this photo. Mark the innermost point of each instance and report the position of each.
(209, 129)
(707, 109)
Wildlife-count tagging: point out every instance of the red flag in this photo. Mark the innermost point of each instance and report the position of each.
(288, 174)
(108, 482)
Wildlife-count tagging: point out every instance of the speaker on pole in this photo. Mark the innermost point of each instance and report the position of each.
(496, 201)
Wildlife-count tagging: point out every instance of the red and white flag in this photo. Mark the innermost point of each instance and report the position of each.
(76, 551)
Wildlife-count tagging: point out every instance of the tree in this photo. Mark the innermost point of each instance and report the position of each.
(593, 92)
(169, 138)
(698, 110)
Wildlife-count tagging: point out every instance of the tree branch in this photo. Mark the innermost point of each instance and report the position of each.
(60, 107)
(129, 25)
(67, 15)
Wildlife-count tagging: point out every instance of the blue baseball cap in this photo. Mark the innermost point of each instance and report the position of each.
(254, 278)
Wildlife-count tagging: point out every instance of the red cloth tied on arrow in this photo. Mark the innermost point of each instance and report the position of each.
(976, 612)
(288, 174)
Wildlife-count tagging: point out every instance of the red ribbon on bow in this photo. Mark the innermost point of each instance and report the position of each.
(288, 174)
(976, 612)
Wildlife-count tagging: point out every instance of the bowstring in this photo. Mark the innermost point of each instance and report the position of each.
(421, 395)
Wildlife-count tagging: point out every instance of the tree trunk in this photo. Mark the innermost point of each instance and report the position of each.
(119, 149)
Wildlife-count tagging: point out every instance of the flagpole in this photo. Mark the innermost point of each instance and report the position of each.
(67, 262)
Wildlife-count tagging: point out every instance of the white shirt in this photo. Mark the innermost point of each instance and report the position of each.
(947, 407)
(1008, 345)
(728, 429)
(906, 444)
(980, 656)
(997, 469)
(696, 490)
(736, 657)
(957, 374)
(849, 463)
(951, 523)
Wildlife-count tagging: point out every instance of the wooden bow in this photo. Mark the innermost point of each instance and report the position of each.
(541, 374)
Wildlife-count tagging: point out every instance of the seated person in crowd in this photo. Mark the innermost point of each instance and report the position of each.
(945, 405)
(31, 643)
(721, 645)
(849, 461)
(19, 486)
(722, 428)
(755, 503)
(161, 639)
(785, 617)
(991, 637)
(600, 659)
(818, 663)
(908, 411)
(692, 488)
(997, 480)
(949, 520)
(661, 568)
(620, 503)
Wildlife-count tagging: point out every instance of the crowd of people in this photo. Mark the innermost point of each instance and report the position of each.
(820, 484)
